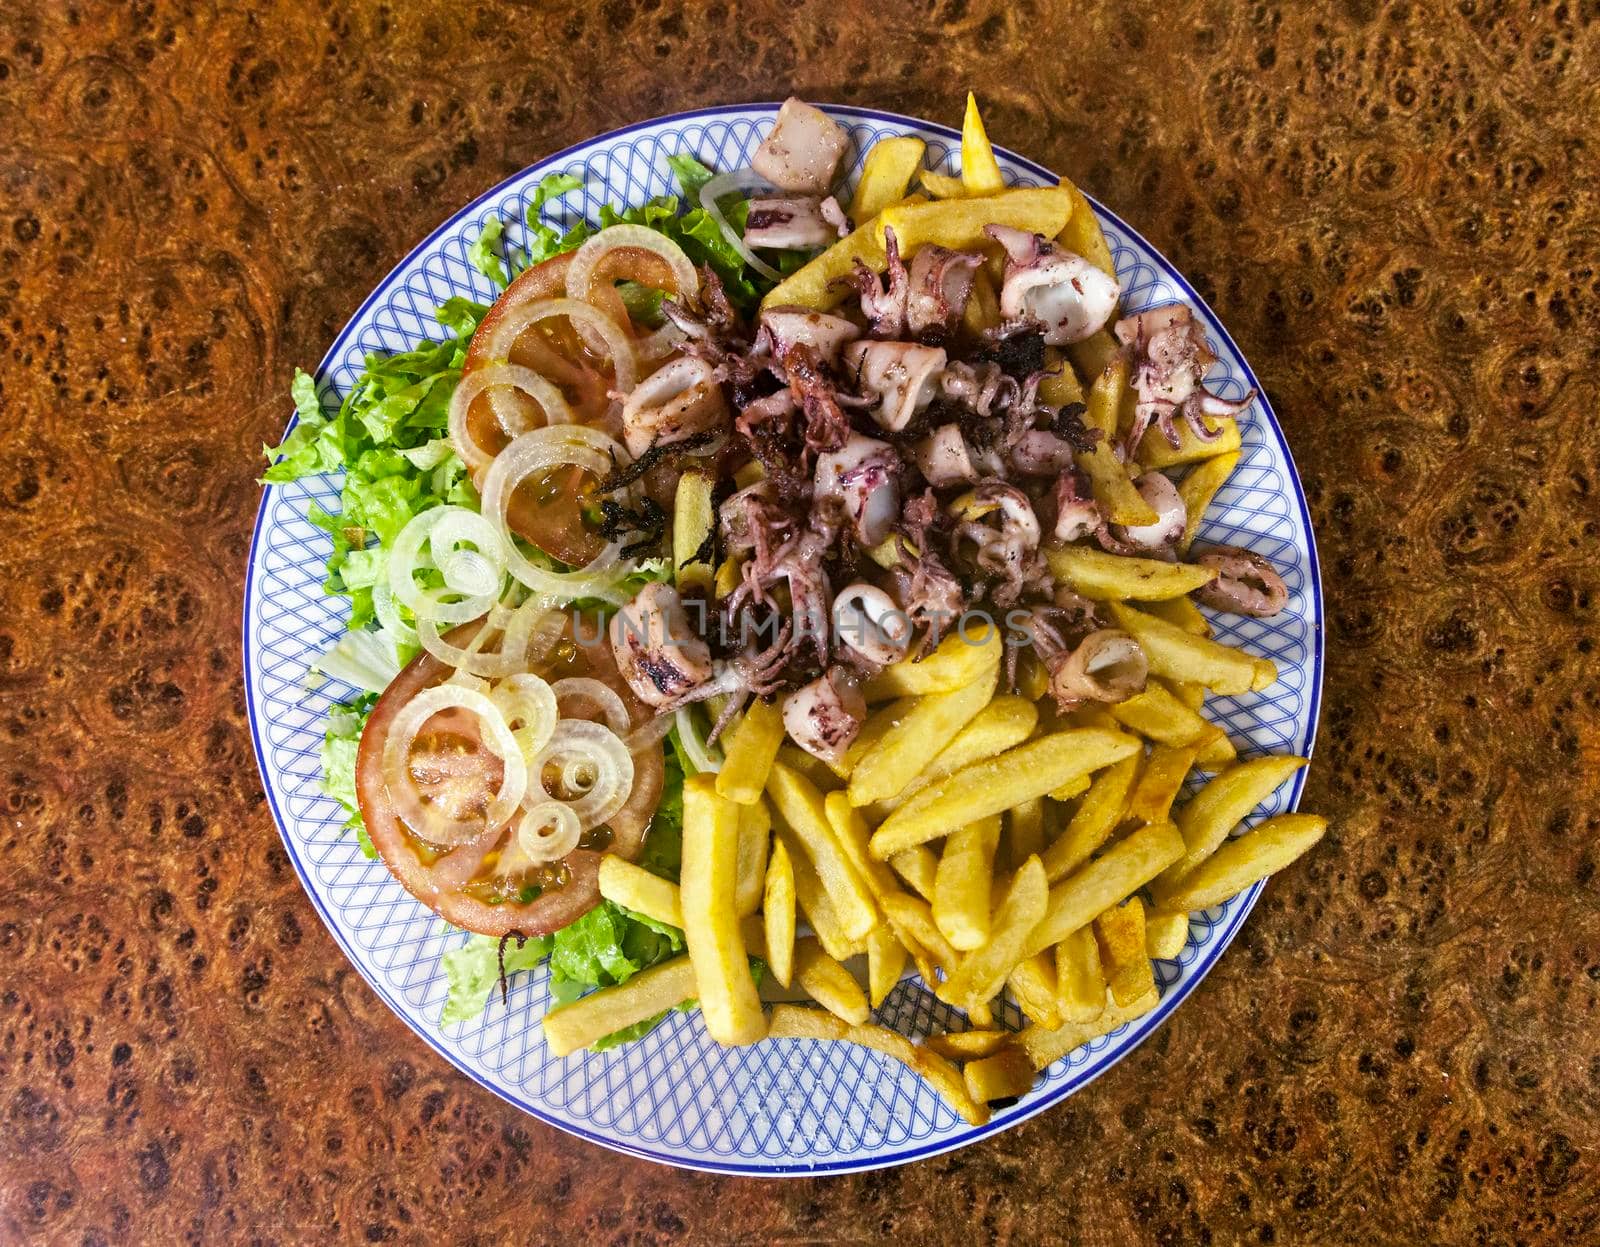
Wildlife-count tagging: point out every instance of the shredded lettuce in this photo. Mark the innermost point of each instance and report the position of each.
(484, 257)
(473, 972)
(339, 745)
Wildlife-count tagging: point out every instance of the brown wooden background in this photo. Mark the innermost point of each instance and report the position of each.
(1393, 207)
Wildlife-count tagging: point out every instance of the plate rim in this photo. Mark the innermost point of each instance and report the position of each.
(1148, 1024)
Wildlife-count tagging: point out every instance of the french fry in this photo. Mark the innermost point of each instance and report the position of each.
(1083, 235)
(811, 899)
(1004, 722)
(886, 962)
(1243, 860)
(1033, 984)
(982, 311)
(693, 520)
(1109, 481)
(960, 223)
(1045, 1047)
(748, 474)
(635, 888)
(1024, 831)
(1166, 932)
(727, 993)
(750, 749)
(755, 840)
(1199, 488)
(1096, 817)
(1060, 385)
(777, 912)
(828, 983)
(968, 1045)
(1177, 655)
(1093, 356)
(995, 784)
(1181, 613)
(961, 886)
(1007, 1075)
(1194, 697)
(982, 972)
(852, 832)
(918, 866)
(801, 807)
(661, 987)
(728, 577)
(1156, 452)
(1159, 715)
(912, 743)
(1207, 818)
(886, 175)
(814, 769)
(980, 171)
(1080, 980)
(816, 284)
(1074, 787)
(1111, 878)
(872, 731)
(942, 185)
(799, 1022)
(1120, 933)
(1104, 577)
(1160, 782)
(960, 658)
(914, 917)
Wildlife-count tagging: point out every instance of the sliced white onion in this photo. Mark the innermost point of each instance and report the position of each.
(529, 707)
(599, 694)
(447, 532)
(702, 757)
(741, 180)
(548, 831)
(384, 608)
(650, 732)
(513, 419)
(537, 451)
(580, 276)
(495, 736)
(591, 761)
(586, 318)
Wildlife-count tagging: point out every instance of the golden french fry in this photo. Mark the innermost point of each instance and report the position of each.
(1080, 980)
(911, 744)
(1045, 1047)
(748, 474)
(1104, 577)
(693, 521)
(814, 769)
(968, 1045)
(1007, 1075)
(1160, 782)
(1109, 481)
(570, 1027)
(1083, 235)
(811, 898)
(853, 834)
(996, 784)
(1166, 932)
(726, 991)
(635, 888)
(1194, 696)
(960, 223)
(872, 731)
(800, 805)
(1245, 859)
(828, 983)
(1097, 816)
(800, 1022)
(1024, 831)
(1219, 807)
(750, 749)
(1199, 488)
(914, 918)
(1060, 385)
(1004, 722)
(1033, 983)
(1181, 613)
(1177, 655)
(755, 840)
(982, 972)
(1120, 933)
(817, 284)
(886, 175)
(980, 171)
(1156, 452)
(1111, 878)
(961, 886)
(961, 657)
(886, 962)
(983, 307)
(918, 866)
(777, 913)
(728, 577)
(1074, 787)
(1091, 358)
(942, 185)
(1158, 714)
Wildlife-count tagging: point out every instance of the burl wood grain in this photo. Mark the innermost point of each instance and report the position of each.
(1393, 207)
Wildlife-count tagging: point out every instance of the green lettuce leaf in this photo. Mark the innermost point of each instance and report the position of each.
(691, 174)
(339, 745)
(483, 255)
(473, 972)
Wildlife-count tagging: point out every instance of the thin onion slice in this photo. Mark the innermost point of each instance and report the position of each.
(591, 761)
(587, 319)
(702, 757)
(448, 531)
(495, 735)
(529, 707)
(580, 277)
(512, 419)
(598, 694)
(547, 832)
(560, 445)
(650, 732)
(527, 634)
(727, 184)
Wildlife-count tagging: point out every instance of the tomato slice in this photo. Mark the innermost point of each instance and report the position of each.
(481, 885)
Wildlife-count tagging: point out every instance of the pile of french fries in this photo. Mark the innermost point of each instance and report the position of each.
(995, 844)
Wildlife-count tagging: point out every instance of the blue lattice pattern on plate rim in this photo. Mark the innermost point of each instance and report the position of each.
(779, 1107)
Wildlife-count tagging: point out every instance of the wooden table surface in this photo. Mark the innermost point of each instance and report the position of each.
(1394, 209)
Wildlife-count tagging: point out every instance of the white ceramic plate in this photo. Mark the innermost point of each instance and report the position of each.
(789, 1106)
